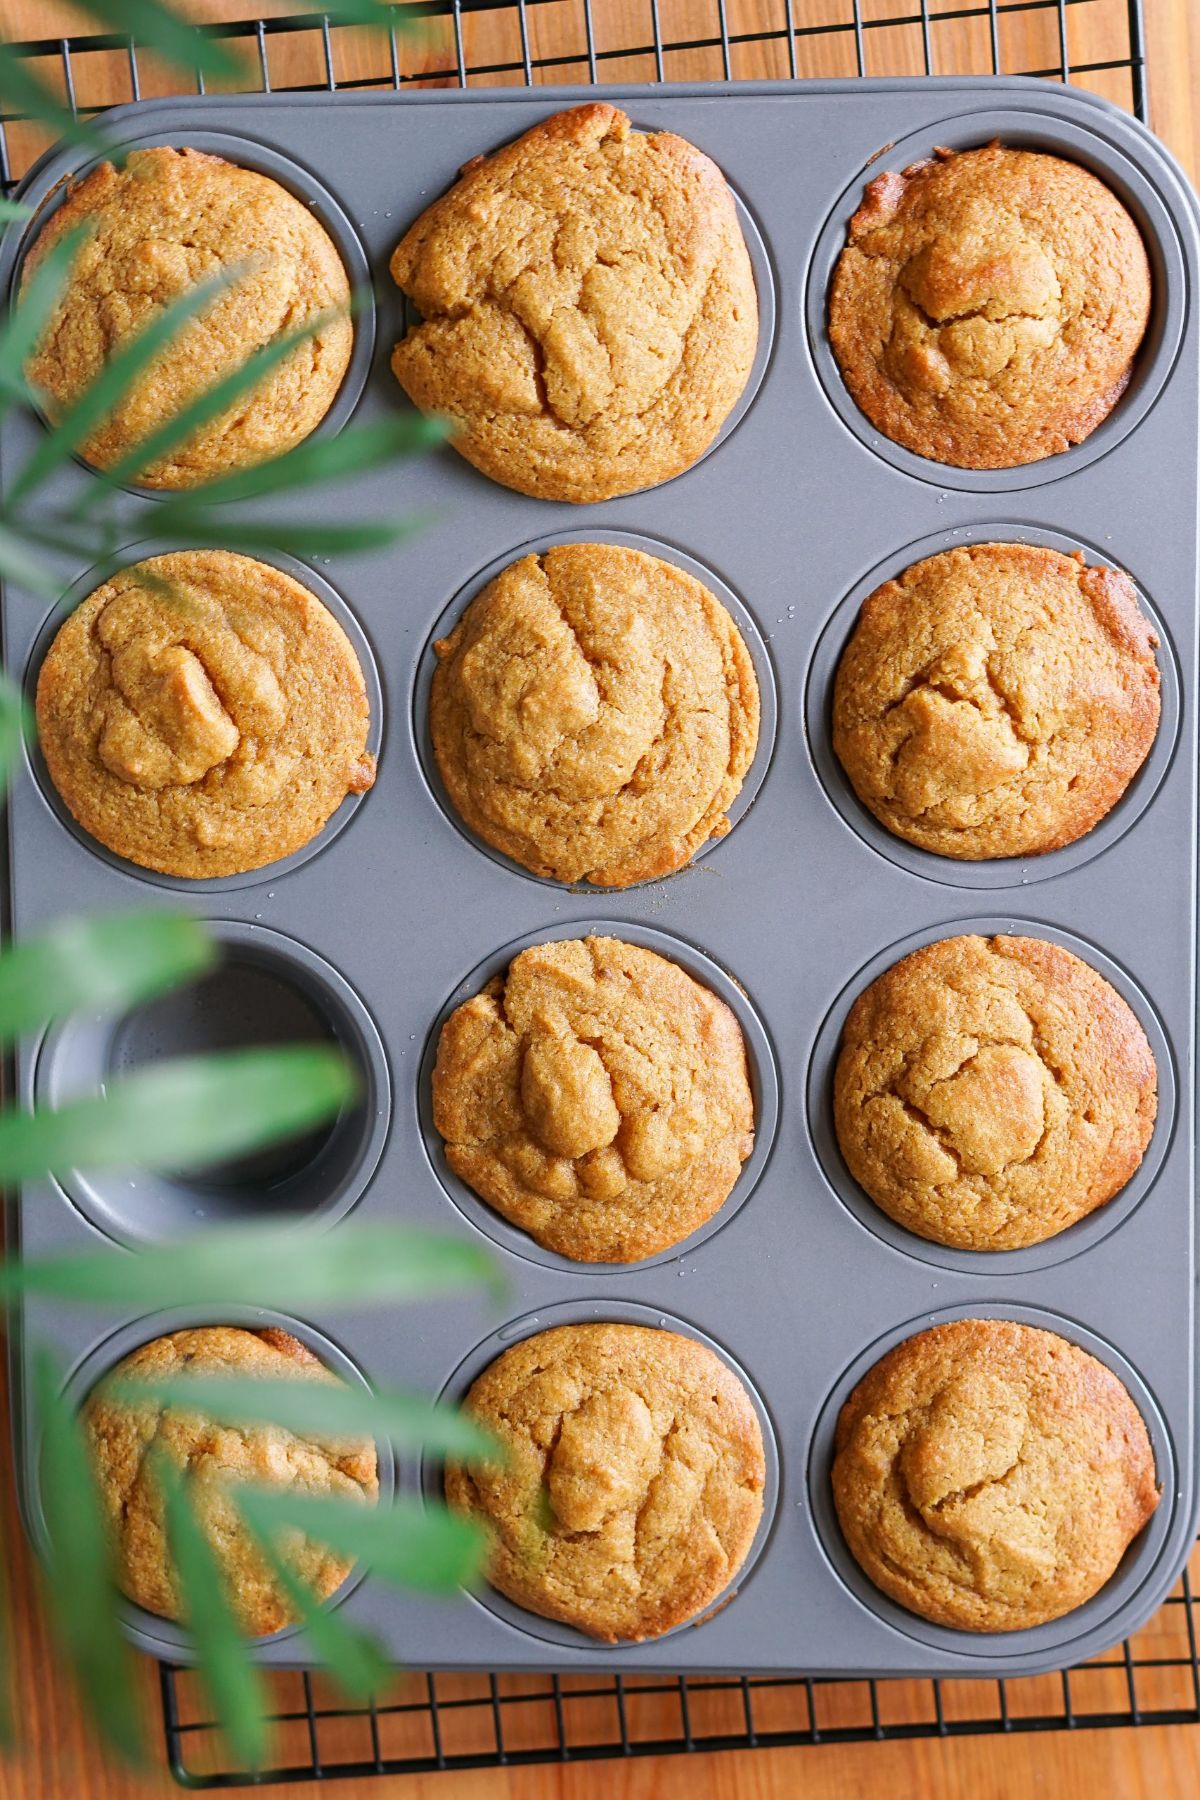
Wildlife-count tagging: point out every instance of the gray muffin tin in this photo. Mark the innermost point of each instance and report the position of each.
(395, 913)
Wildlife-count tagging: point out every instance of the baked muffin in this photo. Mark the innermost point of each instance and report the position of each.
(996, 700)
(203, 714)
(988, 305)
(594, 713)
(120, 1435)
(991, 1091)
(588, 310)
(596, 1096)
(165, 222)
(990, 1476)
(633, 1481)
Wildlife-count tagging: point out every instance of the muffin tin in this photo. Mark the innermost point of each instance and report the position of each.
(398, 913)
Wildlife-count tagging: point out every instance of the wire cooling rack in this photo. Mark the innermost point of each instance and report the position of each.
(429, 1722)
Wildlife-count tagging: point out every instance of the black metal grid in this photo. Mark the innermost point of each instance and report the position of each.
(533, 42)
(432, 1722)
(447, 1722)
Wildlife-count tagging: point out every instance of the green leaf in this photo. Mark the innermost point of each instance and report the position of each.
(13, 209)
(22, 332)
(20, 565)
(274, 1266)
(405, 1541)
(181, 1114)
(114, 380)
(315, 1409)
(322, 459)
(153, 24)
(83, 1599)
(295, 537)
(97, 962)
(233, 1683)
(208, 405)
(23, 93)
(16, 724)
(354, 1658)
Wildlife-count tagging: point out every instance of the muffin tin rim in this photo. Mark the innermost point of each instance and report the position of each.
(421, 683)
(1063, 1246)
(489, 1349)
(1169, 314)
(766, 1087)
(1124, 1588)
(321, 588)
(985, 875)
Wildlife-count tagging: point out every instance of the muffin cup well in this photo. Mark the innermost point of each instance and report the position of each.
(337, 820)
(264, 159)
(752, 637)
(764, 282)
(595, 1312)
(989, 872)
(1019, 128)
(165, 1637)
(760, 1065)
(1110, 1610)
(266, 990)
(984, 1263)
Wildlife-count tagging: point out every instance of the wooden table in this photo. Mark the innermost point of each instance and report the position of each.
(59, 1759)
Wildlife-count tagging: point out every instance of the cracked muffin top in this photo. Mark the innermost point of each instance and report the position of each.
(996, 700)
(988, 305)
(166, 222)
(989, 1092)
(594, 713)
(596, 1096)
(123, 1438)
(588, 310)
(633, 1481)
(203, 714)
(990, 1475)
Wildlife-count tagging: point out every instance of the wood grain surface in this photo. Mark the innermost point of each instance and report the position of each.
(58, 1759)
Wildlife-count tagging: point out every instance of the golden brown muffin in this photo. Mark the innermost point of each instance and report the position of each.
(164, 223)
(589, 316)
(633, 1481)
(990, 1476)
(594, 713)
(988, 306)
(121, 1435)
(207, 728)
(596, 1096)
(996, 700)
(992, 1091)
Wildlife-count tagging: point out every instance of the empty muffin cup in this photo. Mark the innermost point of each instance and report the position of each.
(265, 991)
